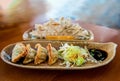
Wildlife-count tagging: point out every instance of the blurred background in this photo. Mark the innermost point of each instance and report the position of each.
(100, 12)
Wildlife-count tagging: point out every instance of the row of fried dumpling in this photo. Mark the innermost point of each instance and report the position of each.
(38, 56)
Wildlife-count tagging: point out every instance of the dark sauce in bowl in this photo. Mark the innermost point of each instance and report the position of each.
(99, 55)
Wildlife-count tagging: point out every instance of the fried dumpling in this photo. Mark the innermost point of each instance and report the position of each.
(41, 54)
(18, 52)
(30, 54)
(52, 54)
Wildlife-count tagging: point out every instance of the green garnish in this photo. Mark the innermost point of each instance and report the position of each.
(80, 61)
(73, 54)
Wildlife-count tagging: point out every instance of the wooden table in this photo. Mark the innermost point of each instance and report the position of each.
(110, 72)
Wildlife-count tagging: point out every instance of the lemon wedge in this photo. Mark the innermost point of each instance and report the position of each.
(59, 37)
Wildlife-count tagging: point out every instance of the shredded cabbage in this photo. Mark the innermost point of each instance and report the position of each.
(72, 54)
(80, 61)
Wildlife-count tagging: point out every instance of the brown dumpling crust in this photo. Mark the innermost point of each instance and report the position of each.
(41, 54)
(30, 54)
(52, 54)
(18, 52)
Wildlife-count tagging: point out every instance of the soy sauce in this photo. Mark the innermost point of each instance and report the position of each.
(99, 55)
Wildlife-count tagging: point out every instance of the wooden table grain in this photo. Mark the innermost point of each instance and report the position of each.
(109, 72)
